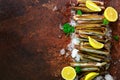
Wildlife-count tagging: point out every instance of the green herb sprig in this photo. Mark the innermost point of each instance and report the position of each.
(116, 37)
(105, 21)
(77, 69)
(79, 12)
(68, 29)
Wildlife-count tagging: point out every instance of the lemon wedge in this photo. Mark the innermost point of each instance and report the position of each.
(92, 6)
(95, 44)
(91, 75)
(111, 14)
(68, 73)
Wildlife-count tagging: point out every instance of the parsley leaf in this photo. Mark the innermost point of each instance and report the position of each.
(79, 12)
(105, 21)
(68, 29)
(77, 69)
(116, 37)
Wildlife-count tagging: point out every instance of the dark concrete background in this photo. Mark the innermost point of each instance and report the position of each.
(30, 39)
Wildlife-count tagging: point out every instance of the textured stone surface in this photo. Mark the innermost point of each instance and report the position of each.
(30, 39)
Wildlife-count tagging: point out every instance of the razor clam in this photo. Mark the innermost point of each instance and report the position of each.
(90, 69)
(96, 55)
(85, 44)
(88, 21)
(95, 51)
(96, 2)
(83, 39)
(83, 59)
(86, 36)
(91, 27)
(88, 17)
(86, 60)
(91, 32)
(98, 38)
(91, 57)
(106, 59)
(86, 40)
(83, 9)
(89, 64)
(87, 26)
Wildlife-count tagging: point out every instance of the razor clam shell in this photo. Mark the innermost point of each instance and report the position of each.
(91, 57)
(91, 32)
(91, 27)
(88, 17)
(90, 69)
(87, 26)
(96, 55)
(95, 51)
(89, 64)
(86, 60)
(88, 21)
(98, 38)
(104, 58)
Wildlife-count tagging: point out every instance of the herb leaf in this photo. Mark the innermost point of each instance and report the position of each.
(77, 69)
(105, 21)
(68, 29)
(116, 37)
(79, 12)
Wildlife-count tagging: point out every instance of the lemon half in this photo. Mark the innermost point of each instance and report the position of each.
(111, 14)
(68, 73)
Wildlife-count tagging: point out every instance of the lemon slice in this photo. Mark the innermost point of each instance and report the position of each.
(68, 73)
(111, 14)
(92, 6)
(95, 44)
(91, 75)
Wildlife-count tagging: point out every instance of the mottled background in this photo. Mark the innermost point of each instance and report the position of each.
(30, 39)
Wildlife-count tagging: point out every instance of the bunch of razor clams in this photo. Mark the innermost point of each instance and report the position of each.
(90, 23)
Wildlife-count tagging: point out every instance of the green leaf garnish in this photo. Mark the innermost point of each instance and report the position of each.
(68, 29)
(77, 69)
(105, 21)
(116, 37)
(79, 12)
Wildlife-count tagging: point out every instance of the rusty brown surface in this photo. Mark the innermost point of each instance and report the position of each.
(30, 39)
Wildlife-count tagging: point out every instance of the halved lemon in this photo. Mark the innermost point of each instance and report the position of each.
(92, 6)
(111, 14)
(91, 75)
(95, 44)
(68, 73)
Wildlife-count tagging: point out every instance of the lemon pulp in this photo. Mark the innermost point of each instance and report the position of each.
(92, 6)
(68, 73)
(111, 14)
(95, 44)
(91, 75)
